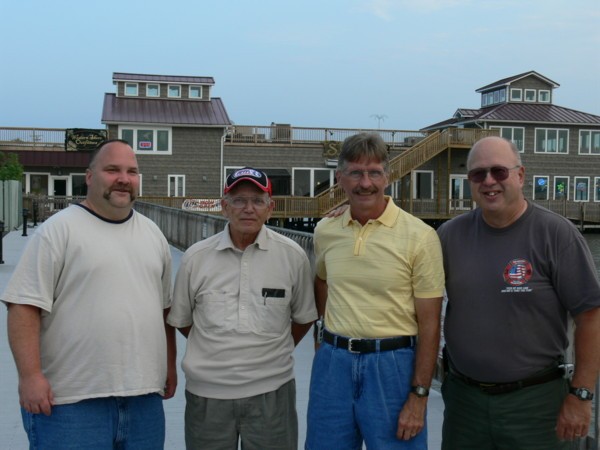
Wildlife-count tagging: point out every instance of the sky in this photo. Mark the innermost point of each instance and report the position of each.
(390, 64)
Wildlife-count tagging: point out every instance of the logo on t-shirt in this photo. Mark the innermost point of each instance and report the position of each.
(517, 272)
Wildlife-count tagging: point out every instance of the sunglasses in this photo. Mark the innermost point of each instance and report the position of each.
(499, 173)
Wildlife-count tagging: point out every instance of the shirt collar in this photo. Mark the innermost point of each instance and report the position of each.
(261, 240)
(387, 218)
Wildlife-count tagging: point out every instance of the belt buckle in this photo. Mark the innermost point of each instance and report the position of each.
(350, 341)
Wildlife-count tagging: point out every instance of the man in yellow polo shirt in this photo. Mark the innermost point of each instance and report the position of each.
(379, 285)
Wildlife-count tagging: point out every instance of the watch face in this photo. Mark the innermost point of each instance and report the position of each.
(582, 393)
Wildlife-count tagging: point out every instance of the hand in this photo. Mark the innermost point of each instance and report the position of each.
(170, 383)
(573, 419)
(337, 211)
(412, 417)
(35, 394)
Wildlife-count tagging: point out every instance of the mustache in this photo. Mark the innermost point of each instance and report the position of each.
(362, 191)
(122, 188)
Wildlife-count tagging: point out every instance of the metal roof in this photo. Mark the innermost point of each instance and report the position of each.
(509, 80)
(522, 113)
(164, 112)
(162, 78)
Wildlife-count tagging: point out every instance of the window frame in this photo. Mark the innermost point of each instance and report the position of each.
(587, 191)
(567, 185)
(179, 178)
(512, 135)
(530, 91)
(135, 85)
(516, 94)
(170, 86)
(596, 189)
(415, 184)
(546, 152)
(312, 183)
(544, 91)
(155, 130)
(535, 183)
(200, 87)
(591, 135)
(148, 88)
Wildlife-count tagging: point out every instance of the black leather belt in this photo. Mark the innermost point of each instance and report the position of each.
(356, 345)
(505, 388)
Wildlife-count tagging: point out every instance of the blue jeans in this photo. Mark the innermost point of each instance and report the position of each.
(124, 423)
(356, 397)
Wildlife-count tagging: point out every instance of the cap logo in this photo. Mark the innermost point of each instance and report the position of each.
(246, 172)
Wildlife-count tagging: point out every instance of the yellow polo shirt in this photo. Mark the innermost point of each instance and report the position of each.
(374, 272)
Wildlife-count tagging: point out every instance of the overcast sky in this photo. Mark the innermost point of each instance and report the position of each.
(314, 63)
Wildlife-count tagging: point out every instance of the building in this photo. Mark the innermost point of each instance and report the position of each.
(560, 146)
(186, 145)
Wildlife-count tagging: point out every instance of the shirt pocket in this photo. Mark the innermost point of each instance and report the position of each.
(217, 310)
(272, 314)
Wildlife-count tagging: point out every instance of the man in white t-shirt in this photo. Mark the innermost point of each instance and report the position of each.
(86, 308)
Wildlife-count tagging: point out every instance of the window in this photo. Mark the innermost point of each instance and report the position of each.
(36, 183)
(530, 95)
(423, 184)
(597, 189)
(544, 96)
(502, 95)
(176, 186)
(582, 189)
(540, 187)
(147, 140)
(153, 90)
(174, 91)
(78, 184)
(516, 95)
(589, 142)
(561, 188)
(311, 182)
(131, 89)
(549, 140)
(195, 91)
(496, 96)
(517, 135)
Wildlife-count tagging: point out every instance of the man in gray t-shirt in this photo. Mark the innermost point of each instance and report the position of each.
(514, 271)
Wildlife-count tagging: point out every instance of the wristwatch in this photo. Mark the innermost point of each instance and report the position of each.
(420, 391)
(581, 393)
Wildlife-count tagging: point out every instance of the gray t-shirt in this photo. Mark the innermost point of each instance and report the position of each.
(509, 291)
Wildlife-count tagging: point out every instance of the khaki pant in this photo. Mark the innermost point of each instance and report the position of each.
(263, 422)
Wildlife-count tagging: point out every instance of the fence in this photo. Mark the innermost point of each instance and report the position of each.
(11, 201)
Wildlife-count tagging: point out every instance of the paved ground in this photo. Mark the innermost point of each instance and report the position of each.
(12, 436)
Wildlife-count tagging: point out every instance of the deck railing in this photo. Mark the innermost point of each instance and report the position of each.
(31, 138)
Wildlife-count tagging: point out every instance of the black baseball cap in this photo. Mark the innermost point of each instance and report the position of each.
(257, 177)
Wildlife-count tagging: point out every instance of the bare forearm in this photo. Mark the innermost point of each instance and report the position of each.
(299, 330)
(428, 341)
(587, 349)
(24, 338)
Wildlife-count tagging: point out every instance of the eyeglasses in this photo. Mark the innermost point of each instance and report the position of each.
(356, 175)
(242, 202)
(499, 173)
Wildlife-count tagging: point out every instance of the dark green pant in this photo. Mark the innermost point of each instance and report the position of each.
(264, 422)
(520, 420)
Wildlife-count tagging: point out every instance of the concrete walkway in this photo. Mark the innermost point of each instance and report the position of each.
(12, 436)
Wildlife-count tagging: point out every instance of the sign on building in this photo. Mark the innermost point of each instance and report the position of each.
(82, 139)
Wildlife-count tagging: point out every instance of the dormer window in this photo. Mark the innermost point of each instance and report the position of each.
(195, 91)
(131, 89)
(544, 96)
(530, 95)
(153, 90)
(175, 91)
(516, 95)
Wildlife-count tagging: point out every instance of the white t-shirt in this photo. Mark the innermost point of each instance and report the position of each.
(101, 287)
